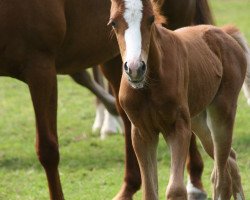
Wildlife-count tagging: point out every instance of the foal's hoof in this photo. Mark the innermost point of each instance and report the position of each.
(195, 193)
(125, 193)
(197, 196)
(121, 196)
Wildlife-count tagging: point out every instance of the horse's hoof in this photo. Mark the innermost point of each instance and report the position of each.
(197, 196)
(121, 196)
(195, 193)
(110, 125)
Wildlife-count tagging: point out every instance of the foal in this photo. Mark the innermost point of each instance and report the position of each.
(176, 82)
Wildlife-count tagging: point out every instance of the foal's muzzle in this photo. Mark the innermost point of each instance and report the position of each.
(135, 72)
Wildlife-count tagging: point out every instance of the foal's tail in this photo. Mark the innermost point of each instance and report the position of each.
(203, 14)
(237, 35)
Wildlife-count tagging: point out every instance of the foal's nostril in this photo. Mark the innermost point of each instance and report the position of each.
(143, 67)
(126, 67)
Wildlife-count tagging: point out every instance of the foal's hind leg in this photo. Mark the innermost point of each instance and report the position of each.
(40, 75)
(225, 177)
(199, 125)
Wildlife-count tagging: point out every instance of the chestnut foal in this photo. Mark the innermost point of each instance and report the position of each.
(176, 83)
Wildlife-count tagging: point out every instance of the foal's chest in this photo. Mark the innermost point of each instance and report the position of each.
(150, 111)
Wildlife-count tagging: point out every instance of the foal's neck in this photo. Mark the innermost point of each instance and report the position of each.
(161, 42)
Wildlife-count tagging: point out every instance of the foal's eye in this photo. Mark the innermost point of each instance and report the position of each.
(112, 23)
(151, 19)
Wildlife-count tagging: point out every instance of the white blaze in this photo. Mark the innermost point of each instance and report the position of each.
(133, 17)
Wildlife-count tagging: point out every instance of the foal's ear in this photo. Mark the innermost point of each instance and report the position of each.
(151, 19)
(111, 23)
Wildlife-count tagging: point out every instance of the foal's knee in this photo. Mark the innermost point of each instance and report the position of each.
(48, 153)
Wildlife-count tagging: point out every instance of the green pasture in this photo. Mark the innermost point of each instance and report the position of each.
(92, 169)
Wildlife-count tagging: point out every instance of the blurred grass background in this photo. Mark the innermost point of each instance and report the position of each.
(92, 169)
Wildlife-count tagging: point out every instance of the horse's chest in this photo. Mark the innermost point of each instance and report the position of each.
(149, 114)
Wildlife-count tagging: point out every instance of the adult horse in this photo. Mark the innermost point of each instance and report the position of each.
(39, 39)
(175, 83)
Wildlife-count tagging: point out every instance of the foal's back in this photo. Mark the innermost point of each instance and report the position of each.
(215, 60)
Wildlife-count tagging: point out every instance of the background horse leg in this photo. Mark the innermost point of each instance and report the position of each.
(110, 124)
(106, 120)
(105, 123)
(132, 178)
(178, 140)
(83, 78)
(40, 75)
(99, 115)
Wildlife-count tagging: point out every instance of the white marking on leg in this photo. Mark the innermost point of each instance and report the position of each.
(99, 117)
(192, 189)
(110, 125)
(238, 196)
(133, 17)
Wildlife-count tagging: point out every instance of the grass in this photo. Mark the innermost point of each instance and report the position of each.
(92, 169)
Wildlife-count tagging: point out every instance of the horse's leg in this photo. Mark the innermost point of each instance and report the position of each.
(195, 168)
(105, 122)
(83, 78)
(40, 75)
(199, 125)
(146, 152)
(99, 115)
(106, 117)
(225, 175)
(132, 179)
(179, 141)
(111, 124)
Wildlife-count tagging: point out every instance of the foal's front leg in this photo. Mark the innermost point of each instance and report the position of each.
(178, 140)
(145, 146)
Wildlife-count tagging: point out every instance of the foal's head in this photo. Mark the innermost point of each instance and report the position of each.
(132, 21)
